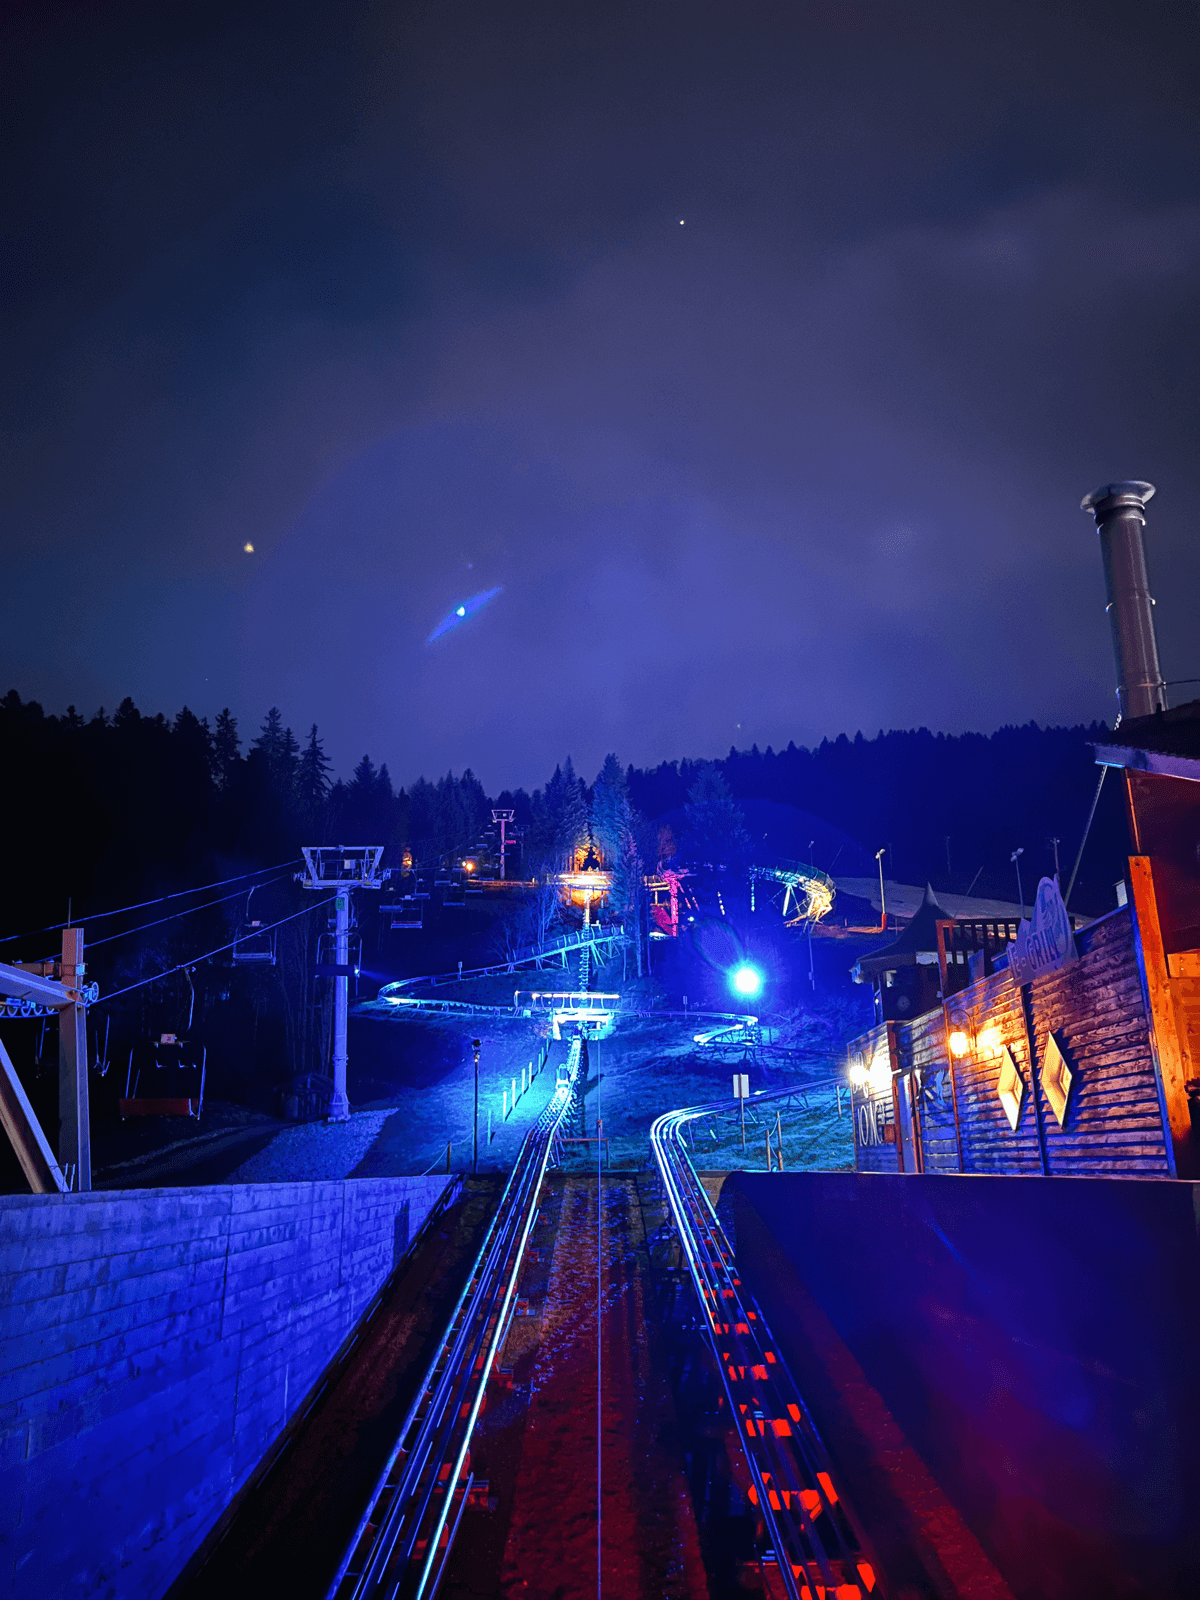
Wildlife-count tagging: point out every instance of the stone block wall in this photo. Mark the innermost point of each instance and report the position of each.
(153, 1345)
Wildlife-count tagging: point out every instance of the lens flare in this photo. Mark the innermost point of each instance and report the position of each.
(746, 981)
(464, 611)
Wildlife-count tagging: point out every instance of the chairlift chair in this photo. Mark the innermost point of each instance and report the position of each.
(456, 891)
(408, 914)
(254, 946)
(327, 952)
(171, 1071)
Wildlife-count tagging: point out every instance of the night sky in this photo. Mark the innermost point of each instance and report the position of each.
(757, 354)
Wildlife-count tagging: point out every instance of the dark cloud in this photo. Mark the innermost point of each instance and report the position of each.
(400, 295)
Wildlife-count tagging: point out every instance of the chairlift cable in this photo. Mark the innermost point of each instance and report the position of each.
(186, 912)
(208, 954)
(102, 916)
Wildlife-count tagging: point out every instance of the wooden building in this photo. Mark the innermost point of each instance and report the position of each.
(1093, 1068)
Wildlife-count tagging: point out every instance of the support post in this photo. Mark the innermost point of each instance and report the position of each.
(1169, 1050)
(74, 1134)
(339, 1105)
(475, 1154)
(42, 1172)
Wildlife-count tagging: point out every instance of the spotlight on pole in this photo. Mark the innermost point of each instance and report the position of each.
(746, 981)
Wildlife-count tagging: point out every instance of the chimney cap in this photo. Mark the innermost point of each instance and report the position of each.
(1117, 497)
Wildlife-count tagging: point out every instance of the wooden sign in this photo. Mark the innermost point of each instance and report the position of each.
(1046, 942)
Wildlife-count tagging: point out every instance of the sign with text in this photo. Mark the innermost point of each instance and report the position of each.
(1046, 942)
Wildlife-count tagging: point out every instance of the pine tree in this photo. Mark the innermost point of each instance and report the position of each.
(614, 829)
(608, 818)
(226, 747)
(280, 749)
(312, 775)
(571, 822)
(716, 830)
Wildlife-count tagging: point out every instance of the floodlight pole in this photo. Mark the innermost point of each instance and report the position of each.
(882, 901)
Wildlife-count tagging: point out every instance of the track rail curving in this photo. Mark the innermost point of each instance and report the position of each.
(811, 1534)
(403, 1539)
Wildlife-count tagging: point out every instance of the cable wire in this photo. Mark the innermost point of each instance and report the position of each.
(102, 916)
(187, 912)
(196, 960)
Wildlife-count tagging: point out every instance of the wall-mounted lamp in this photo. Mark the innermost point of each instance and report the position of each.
(988, 1042)
(880, 1075)
(959, 1043)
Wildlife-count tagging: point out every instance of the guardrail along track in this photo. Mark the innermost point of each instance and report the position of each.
(812, 1536)
(403, 1538)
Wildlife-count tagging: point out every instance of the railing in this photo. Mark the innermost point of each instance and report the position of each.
(403, 1539)
(810, 1532)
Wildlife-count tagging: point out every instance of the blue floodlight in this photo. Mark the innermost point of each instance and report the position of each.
(746, 981)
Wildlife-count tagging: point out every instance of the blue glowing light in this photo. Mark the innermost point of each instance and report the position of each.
(746, 981)
(462, 612)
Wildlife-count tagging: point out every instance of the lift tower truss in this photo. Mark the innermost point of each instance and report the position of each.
(342, 868)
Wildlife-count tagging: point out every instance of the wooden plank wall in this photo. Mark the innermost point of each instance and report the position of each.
(923, 1046)
(1114, 1120)
(988, 1143)
(1114, 1123)
(873, 1111)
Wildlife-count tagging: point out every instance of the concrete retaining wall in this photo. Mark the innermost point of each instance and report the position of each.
(1035, 1340)
(153, 1344)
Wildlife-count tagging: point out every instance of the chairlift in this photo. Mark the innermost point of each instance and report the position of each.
(327, 953)
(422, 891)
(255, 944)
(456, 891)
(165, 1078)
(408, 914)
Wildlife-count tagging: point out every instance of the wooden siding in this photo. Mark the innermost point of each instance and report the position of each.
(988, 1143)
(923, 1050)
(872, 1108)
(1096, 1010)
(1114, 1122)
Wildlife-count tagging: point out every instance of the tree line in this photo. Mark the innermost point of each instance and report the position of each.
(116, 810)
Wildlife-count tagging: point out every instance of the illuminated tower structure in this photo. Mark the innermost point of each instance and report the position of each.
(505, 820)
(342, 868)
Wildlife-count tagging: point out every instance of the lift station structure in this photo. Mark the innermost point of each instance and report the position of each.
(342, 868)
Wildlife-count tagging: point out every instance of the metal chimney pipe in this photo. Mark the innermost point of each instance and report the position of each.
(1119, 510)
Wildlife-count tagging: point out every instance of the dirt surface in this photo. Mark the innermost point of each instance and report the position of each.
(536, 1539)
(287, 1530)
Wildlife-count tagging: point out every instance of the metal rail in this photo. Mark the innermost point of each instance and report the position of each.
(403, 1540)
(583, 938)
(811, 1533)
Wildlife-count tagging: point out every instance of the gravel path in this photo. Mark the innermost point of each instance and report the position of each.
(314, 1151)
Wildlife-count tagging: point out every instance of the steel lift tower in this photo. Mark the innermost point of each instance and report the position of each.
(343, 868)
(505, 820)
